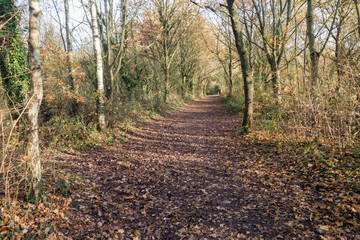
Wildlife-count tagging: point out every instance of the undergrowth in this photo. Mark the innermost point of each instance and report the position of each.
(311, 152)
(235, 104)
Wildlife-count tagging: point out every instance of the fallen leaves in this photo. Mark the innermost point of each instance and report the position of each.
(188, 176)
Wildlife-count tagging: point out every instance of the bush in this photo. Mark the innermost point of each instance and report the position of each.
(234, 105)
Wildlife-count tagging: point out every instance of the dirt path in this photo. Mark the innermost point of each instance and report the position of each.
(181, 177)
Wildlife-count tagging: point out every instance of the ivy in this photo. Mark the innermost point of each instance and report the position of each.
(13, 60)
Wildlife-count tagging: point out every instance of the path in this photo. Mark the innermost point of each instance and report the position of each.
(182, 176)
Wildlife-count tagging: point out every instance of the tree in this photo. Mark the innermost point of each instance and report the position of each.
(33, 150)
(223, 51)
(69, 50)
(314, 53)
(189, 49)
(117, 45)
(245, 67)
(99, 66)
(274, 31)
(245, 62)
(356, 3)
(167, 22)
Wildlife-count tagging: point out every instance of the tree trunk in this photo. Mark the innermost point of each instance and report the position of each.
(275, 79)
(356, 2)
(166, 61)
(109, 35)
(314, 55)
(99, 66)
(69, 49)
(245, 68)
(230, 69)
(184, 87)
(167, 85)
(338, 54)
(33, 151)
(114, 65)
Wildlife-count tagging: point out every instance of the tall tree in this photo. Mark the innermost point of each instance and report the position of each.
(165, 45)
(69, 50)
(99, 66)
(245, 67)
(274, 30)
(33, 150)
(314, 53)
(189, 48)
(114, 63)
(223, 50)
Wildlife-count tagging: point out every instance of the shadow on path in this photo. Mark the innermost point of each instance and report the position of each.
(179, 177)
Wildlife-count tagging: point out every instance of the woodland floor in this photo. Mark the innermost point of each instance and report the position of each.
(189, 175)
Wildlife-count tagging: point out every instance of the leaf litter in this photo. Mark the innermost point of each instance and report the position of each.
(190, 176)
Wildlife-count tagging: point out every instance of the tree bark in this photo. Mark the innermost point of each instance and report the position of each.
(33, 151)
(69, 48)
(230, 66)
(99, 66)
(356, 2)
(314, 55)
(245, 68)
(114, 64)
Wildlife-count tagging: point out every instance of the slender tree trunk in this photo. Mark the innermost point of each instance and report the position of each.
(230, 69)
(245, 67)
(99, 66)
(69, 43)
(184, 87)
(109, 34)
(69, 49)
(275, 79)
(33, 151)
(314, 55)
(356, 2)
(338, 50)
(114, 71)
(358, 27)
(166, 62)
(230, 79)
(167, 84)
(60, 24)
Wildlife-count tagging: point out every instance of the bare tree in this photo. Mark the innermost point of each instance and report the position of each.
(314, 54)
(245, 67)
(223, 51)
(166, 43)
(274, 42)
(33, 151)
(114, 63)
(99, 66)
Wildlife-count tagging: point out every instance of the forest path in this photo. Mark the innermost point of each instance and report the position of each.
(185, 175)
